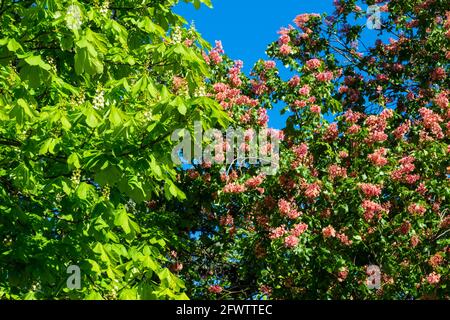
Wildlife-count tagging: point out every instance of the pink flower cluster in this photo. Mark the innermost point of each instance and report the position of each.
(227, 220)
(285, 49)
(216, 52)
(234, 188)
(343, 238)
(312, 190)
(302, 19)
(329, 232)
(431, 121)
(325, 76)
(277, 232)
(254, 182)
(270, 64)
(215, 289)
(294, 81)
(291, 241)
(227, 96)
(301, 150)
(370, 190)
(441, 100)
(313, 64)
(335, 171)
(332, 132)
(377, 126)
(433, 278)
(378, 157)
(288, 209)
(351, 116)
(371, 209)
(299, 229)
(305, 90)
(402, 129)
(404, 173)
(415, 208)
(234, 73)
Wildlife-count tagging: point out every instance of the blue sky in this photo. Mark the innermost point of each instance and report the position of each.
(246, 27)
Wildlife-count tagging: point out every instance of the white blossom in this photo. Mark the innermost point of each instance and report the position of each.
(74, 17)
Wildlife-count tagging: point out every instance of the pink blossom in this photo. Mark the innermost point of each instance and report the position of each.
(343, 154)
(343, 238)
(342, 274)
(370, 190)
(215, 289)
(277, 232)
(325, 76)
(370, 209)
(299, 229)
(433, 278)
(270, 64)
(313, 64)
(377, 158)
(284, 206)
(435, 260)
(438, 74)
(312, 191)
(421, 189)
(353, 129)
(328, 232)
(294, 81)
(351, 116)
(416, 208)
(254, 181)
(227, 220)
(265, 290)
(414, 240)
(291, 241)
(315, 109)
(233, 188)
(301, 150)
(335, 171)
(285, 49)
(305, 90)
(401, 130)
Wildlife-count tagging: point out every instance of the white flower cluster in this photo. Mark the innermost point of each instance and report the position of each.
(76, 176)
(105, 7)
(106, 191)
(52, 63)
(177, 35)
(148, 115)
(200, 92)
(99, 99)
(74, 17)
(192, 30)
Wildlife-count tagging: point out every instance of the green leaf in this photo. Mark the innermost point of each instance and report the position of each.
(37, 61)
(92, 117)
(128, 294)
(116, 116)
(13, 45)
(83, 190)
(73, 161)
(94, 295)
(121, 220)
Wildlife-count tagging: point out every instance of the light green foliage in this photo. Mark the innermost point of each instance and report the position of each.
(86, 113)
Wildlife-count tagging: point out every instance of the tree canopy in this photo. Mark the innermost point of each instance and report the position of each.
(92, 92)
